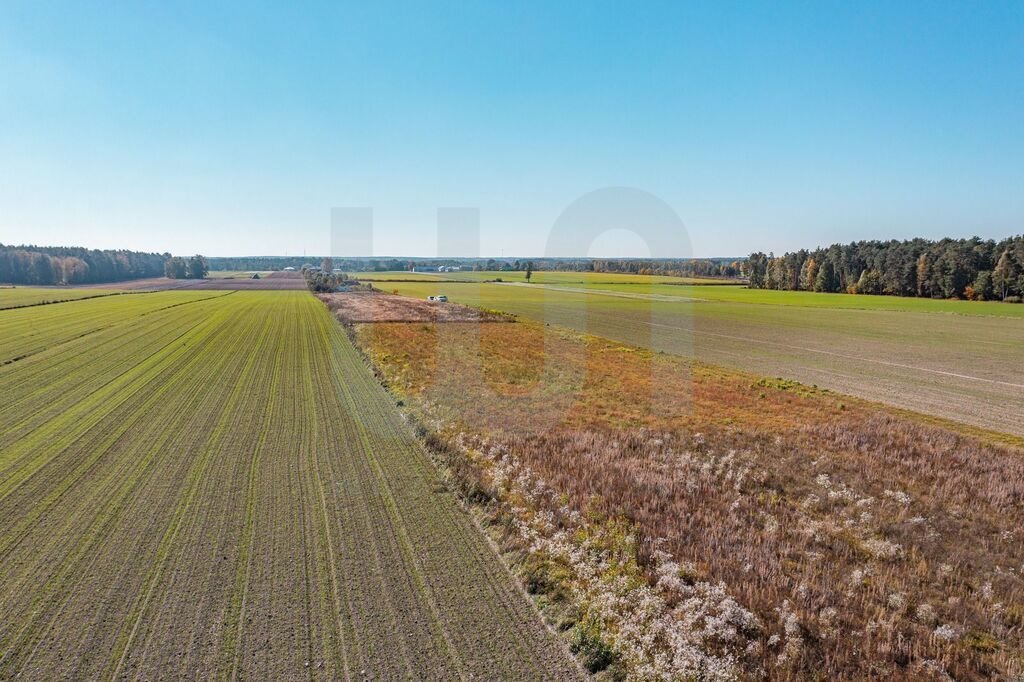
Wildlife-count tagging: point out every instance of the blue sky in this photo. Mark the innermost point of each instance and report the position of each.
(235, 129)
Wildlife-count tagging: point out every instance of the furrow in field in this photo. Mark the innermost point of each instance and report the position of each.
(55, 381)
(451, 563)
(181, 625)
(454, 564)
(130, 653)
(91, 418)
(78, 523)
(282, 629)
(26, 332)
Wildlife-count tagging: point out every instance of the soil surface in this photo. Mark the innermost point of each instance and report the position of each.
(274, 281)
(366, 306)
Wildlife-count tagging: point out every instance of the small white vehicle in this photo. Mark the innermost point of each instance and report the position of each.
(438, 299)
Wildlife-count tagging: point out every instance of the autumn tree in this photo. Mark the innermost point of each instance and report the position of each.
(176, 268)
(1005, 275)
(197, 267)
(808, 273)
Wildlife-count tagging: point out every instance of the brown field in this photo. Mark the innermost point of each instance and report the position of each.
(870, 543)
(374, 306)
(274, 281)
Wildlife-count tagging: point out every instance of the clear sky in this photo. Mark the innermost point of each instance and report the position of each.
(234, 129)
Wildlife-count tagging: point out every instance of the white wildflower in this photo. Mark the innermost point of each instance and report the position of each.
(826, 620)
(882, 549)
(897, 496)
(925, 614)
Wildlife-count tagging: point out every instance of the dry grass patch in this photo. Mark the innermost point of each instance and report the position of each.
(868, 543)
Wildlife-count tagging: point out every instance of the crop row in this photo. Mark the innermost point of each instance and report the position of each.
(197, 486)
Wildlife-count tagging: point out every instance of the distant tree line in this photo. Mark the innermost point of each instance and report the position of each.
(675, 267)
(195, 267)
(684, 267)
(949, 268)
(48, 265)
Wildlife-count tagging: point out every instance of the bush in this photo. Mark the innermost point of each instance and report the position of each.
(544, 577)
(586, 643)
(1012, 299)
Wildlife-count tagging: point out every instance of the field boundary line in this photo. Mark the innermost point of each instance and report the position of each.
(22, 306)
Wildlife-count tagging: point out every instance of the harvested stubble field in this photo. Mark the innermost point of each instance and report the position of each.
(959, 360)
(211, 484)
(375, 306)
(867, 543)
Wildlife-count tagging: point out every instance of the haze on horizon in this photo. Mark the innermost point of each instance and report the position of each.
(234, 130)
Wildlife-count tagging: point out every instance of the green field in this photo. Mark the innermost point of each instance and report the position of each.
(810, 299)
(539, 276)
(910, 353)
(18, 297)
(213, 485)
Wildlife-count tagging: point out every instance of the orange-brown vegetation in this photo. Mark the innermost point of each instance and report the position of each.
(869, 543)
